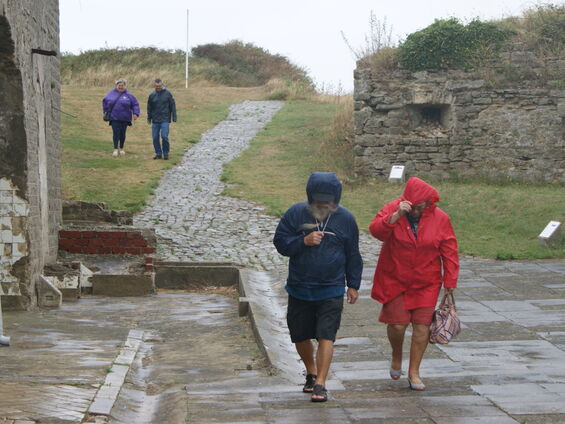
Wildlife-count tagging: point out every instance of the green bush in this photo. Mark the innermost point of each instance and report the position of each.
(245, 64)
(450, 44)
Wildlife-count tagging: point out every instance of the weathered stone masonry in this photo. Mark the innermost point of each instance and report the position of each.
(30, 198)
(455, 123)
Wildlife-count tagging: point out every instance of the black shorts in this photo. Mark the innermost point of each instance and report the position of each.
(319, 319)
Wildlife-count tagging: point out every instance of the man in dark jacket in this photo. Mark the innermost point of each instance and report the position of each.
(322, 240)
(161, 109)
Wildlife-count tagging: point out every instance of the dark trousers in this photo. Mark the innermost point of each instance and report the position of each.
(119, 133)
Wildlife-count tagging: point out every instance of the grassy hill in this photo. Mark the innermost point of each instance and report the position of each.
(314, 133)
(234, 64)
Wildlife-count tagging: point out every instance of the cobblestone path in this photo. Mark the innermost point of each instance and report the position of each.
(192, 219)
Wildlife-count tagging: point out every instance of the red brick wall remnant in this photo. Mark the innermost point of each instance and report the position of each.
(103, 242)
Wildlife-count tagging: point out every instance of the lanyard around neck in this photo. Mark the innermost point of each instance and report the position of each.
(325, 225)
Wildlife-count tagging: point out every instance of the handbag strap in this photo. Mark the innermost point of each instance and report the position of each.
(117, 98)
(448, 299)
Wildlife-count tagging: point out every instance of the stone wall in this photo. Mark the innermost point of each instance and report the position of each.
(76, 211)
(30, 206)
(505, 121)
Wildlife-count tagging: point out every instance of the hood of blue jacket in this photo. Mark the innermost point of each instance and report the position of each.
(323, 182)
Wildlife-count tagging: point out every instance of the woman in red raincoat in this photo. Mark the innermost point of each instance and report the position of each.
(418, 255)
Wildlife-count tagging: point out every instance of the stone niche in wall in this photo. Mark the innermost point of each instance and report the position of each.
(428, 116)
(455, 123)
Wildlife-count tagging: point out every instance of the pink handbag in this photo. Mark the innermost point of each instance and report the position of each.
(445, 324)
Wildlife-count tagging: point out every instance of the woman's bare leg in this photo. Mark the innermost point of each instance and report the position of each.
(420, 337)
(395, 334)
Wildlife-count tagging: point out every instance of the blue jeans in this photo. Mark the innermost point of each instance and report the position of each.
(160, 130)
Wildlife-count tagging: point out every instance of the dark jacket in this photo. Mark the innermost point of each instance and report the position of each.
(161, 107)
(320, 272)
(125, 105)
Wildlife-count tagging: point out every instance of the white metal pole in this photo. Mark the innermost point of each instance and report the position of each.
(186, 56)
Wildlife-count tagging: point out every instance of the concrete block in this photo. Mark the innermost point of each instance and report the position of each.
(6, 209)
(66, 278)
(5, 184)
(49, 295)
(122, 285)
(187, 275)
(243, 306)
(85, 275)
(551, 234)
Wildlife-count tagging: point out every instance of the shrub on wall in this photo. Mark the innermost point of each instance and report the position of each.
(450, 44)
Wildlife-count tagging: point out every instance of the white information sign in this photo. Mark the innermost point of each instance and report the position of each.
(551, 232)
(396, 174)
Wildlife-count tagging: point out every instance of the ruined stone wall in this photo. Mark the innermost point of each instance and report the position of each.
(505, 121)
(30, 208)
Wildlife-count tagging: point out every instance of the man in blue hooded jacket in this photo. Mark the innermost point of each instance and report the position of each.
(322, 240)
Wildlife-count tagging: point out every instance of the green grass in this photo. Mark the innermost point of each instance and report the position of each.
(500, 221)
(90, 173)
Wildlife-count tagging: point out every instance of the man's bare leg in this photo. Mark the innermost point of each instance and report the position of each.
(420, 337)
(395, 333)
(324, 357)
(306, 352)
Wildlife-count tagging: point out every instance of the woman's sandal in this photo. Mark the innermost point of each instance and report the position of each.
(321, 391)
(416, 386)
(395, 374)
(309, 385)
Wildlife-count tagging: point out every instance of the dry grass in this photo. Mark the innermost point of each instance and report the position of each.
(232, 64)
(385, 60)
(540, 28)
(336, 149)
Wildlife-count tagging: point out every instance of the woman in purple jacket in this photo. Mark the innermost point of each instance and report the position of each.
(123, 107)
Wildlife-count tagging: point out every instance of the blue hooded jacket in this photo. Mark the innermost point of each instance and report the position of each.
(320, 272)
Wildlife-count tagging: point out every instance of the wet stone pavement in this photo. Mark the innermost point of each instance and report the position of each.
(198, 362)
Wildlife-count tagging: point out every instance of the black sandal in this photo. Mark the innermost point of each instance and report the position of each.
(319, 390)
(309, 385)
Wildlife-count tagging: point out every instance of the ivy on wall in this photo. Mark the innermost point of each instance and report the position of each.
(450, 44)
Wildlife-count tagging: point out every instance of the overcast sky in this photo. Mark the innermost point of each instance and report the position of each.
(305, 31)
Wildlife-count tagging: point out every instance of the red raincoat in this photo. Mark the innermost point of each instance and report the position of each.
(414, 266)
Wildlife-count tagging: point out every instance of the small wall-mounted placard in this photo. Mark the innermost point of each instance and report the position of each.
(396, 174)
(551, 234)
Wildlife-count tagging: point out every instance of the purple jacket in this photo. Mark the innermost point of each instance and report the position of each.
(125, 107)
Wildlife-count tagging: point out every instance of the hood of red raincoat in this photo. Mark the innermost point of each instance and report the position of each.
(417, 191)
